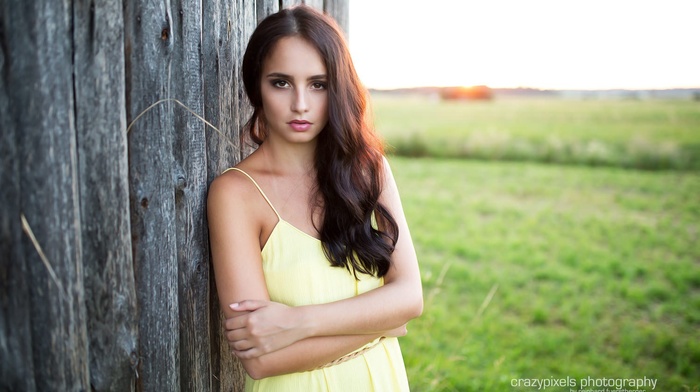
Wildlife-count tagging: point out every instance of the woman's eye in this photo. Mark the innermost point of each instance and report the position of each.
(280, 83)
(318, 86)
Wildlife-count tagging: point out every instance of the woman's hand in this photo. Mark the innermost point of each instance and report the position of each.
(266, 327)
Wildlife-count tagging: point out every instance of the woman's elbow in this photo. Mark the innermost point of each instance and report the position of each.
(255, 368)
(412, 304)
(416, 309)
(417, 300)
(412, 307)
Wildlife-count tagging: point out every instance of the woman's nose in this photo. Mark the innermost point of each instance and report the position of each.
(301, 102)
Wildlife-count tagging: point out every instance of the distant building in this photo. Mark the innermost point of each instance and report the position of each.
(466, 93)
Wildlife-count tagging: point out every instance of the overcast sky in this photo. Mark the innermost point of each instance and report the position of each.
(562, 44)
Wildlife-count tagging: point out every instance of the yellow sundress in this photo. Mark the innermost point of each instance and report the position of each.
(298, 273)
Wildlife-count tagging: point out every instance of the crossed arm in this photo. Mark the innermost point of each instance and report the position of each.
(273, 339)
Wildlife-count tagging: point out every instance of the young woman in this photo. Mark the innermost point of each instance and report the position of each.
(314, 263)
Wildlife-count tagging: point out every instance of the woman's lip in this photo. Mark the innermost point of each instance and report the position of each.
(300, 125)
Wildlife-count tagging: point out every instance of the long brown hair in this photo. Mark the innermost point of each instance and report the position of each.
(349, 158)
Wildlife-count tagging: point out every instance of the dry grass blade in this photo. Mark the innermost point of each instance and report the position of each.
(438, 283)
(487, 301)
(28, 230)
(186, 108)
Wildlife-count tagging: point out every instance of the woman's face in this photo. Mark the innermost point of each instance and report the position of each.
(294, 91)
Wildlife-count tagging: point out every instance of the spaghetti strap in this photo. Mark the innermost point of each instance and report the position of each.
(257, 186)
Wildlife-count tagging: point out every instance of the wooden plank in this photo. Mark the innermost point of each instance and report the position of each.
(190, 195)
(148, 50)
(246, 18)
(104, 193)
(16, 362)
(36, 45)
(288, 3)
(318, 4)
(340, 11)
(218, 41)
(266, 7)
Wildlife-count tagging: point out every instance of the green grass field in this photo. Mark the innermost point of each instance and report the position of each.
(548, 271)
(592, 272)
(635, 134)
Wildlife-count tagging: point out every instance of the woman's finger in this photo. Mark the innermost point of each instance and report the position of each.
(237, 334)
(241, 345)
(248, 305)
(247, 354)
(236, 322)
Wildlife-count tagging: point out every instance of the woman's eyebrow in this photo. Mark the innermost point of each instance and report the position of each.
(278, 75)
(285, 76)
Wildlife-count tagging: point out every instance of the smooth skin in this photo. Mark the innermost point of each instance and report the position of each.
(271, 338)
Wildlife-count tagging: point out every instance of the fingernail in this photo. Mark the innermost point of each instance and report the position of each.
(234, 305)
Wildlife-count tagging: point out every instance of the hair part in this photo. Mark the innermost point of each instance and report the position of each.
(349, 158)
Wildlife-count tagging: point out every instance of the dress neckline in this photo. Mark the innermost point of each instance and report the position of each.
(294, 228)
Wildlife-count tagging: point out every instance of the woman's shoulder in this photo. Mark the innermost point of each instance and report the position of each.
(235, 186)
(387, 173)
(385, 164)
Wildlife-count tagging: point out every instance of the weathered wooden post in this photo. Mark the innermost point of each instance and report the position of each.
(153, 179)
(190, 174)
(43, 323)
(340, 10)
(110, 292)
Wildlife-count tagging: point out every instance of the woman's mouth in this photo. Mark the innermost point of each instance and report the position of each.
(300, 125)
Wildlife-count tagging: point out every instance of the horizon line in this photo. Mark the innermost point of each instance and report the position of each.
(535, 88)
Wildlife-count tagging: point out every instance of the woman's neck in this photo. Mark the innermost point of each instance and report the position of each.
(288, 159)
